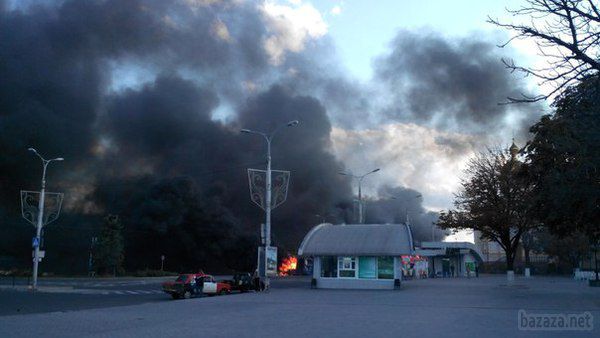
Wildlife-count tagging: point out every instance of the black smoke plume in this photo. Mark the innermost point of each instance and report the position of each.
(454, 84)
(400, 205)
(145, 99)
(154, 153)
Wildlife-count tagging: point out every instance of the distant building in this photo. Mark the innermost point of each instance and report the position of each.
(490, 250)
(451, 259)
(493, 252)
(357, 256)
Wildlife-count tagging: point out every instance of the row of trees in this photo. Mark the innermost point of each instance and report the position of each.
(549, 191)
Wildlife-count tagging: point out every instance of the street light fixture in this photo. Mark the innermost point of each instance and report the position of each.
(268, 138)
(359, 179)
(406, 200)
(40, 214)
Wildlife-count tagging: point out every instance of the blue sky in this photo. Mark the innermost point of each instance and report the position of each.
(363, 29)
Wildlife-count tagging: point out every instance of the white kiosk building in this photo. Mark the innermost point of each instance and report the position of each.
(357, 256)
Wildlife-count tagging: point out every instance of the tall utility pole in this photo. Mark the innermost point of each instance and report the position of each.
(40, 219)
(359, 178)
(268, 138)
(93, 242)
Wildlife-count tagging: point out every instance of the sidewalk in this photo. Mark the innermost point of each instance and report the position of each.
(54, 289)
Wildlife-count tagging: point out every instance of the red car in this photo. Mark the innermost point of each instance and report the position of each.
(190, 285)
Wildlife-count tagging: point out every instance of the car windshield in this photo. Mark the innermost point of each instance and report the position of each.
(182, 278)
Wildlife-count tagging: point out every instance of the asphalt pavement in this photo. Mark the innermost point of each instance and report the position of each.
(74, 294)
(454, 307)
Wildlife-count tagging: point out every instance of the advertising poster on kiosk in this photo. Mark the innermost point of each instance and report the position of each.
(271, 261)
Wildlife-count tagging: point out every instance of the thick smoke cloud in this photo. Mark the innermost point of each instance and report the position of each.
(399, 204)
(453, 84)
(145, 100)
(436, 100)
(154, 152)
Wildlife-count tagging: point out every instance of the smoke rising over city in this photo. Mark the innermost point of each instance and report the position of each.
(145, 99)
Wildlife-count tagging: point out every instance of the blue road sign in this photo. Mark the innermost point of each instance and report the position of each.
(35, 242)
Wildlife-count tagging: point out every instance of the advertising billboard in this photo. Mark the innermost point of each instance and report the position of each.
(271, 260)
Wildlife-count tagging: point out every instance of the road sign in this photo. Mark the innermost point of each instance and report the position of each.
(35, 242)
(41, 253)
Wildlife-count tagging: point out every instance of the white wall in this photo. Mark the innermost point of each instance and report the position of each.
(354, 283)
(316, 267)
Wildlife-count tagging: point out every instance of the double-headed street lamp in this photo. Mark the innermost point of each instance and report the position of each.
(406, 210)
(359, 178)
(40, 218)
(268, 138)
(406, 200)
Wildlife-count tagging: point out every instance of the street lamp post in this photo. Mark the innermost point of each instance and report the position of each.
(40, 218)
(268, 138)
(406, 208)
(359, 178)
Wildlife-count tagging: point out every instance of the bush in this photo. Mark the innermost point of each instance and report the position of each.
(153, 273)
(16, 272)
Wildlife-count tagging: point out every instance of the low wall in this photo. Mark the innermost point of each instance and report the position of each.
(342, 283)
(584, 274)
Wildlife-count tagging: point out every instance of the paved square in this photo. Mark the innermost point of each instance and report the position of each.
(483, 307)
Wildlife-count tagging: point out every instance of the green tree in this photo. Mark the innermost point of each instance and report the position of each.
(493, 200)
(568, 250)
(563, 159)
(109, 252)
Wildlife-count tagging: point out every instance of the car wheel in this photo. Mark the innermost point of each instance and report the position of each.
(187, 295)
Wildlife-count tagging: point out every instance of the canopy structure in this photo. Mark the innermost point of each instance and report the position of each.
(431, 249)
(358, 240)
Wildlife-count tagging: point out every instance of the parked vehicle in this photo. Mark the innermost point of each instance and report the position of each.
(212, 287)
(183, 287)
(241, 282)
(194, 285)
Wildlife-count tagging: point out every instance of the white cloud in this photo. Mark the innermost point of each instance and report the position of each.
(336, 10)
(290, 27)
(249, 86)
(219, 29)
(417, 157)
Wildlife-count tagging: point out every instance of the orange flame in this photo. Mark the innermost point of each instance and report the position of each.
(288, 265)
